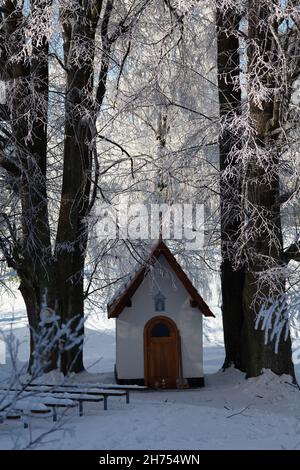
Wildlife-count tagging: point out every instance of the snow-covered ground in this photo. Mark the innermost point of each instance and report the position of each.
(229, 413)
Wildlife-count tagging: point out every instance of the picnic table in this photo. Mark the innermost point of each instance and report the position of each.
(96, 387)
(82, 394)
(43, 398)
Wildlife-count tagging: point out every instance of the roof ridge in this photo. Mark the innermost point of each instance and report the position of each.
(117, 305)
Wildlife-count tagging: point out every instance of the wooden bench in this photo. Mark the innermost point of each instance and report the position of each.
(125, 388)
(79, 398)
(95, 388)
(81, 395)
(15, 414)
(56, 402)
(19, 408)
(36, 401)
(102, 390)
(86, 394)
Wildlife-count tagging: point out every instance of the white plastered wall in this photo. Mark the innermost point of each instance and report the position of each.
(131, 322)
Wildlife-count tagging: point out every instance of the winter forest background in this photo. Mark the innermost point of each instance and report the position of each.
(152, 101)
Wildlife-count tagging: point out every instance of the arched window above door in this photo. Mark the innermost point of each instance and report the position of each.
(160, 330)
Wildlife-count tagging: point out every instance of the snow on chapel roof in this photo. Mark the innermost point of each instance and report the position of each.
(117, 304)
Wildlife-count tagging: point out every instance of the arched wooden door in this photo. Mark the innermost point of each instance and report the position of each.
(161, 344)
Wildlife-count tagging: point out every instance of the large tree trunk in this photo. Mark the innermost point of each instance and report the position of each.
(58, 279)
(232, 278)
(242, 291)
(32, 253)
(72, 233)
(33, 293)
(265, 243)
